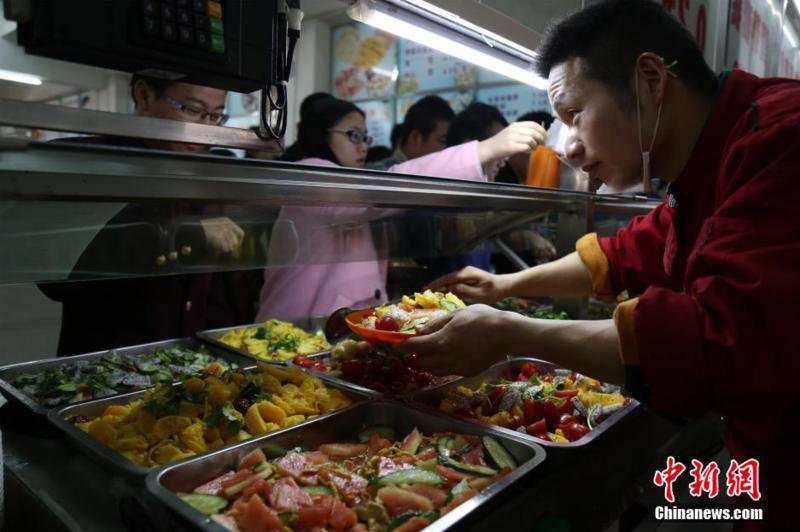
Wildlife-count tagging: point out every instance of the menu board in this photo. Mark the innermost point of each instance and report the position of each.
(458, 100)
(425, 69)
(364, 62)
(380, 120)
(487, 76)
(515, 100)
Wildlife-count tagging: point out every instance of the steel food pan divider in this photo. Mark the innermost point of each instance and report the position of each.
(114, 462)
(212, 336)
(431, 397)
(343, 425)
(10, 372)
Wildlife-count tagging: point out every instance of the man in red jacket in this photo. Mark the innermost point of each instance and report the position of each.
(707, 283)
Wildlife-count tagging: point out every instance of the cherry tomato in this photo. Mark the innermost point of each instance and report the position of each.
(352, 369)
(565, 407)
(534, 411)
(551, 412)
(575, 431)
(540, 427)
(423, 378)
(373, 365)
(302, 361)
(387, 323)
(547, 378)
(566, 419)
(496, 395)
(412, 361)
(528, 369)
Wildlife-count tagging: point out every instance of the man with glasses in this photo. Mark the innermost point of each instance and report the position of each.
(155, 242)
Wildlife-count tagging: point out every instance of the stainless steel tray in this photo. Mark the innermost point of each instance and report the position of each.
(341, 426)
(114, 461)
(432, 396)
(10, 372)
(212, 336)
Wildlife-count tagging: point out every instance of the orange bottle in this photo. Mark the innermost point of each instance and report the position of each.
(543, 168)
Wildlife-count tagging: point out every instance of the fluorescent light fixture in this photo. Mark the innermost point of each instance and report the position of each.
(19, 77)
(427, 32)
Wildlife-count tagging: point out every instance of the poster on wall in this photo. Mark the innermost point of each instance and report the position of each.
(425, 69)
(458, 100)
(380, 120)
(752, 25)
(364, 62)
(515, 100)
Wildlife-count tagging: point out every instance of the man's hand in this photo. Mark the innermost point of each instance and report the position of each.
(474, 284)
(464, 342)
(516, 138)
(222, 235)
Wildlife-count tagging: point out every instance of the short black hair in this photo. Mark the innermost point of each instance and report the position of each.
(308, 102)
(540, 117)
(314, 130)
(423, 116)
(611, 34)
(158, 85)
(473, 123)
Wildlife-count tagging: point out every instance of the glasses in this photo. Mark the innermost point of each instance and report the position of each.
(356, 136)
(197, 114)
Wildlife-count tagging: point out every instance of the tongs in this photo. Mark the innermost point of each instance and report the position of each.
(335, 326)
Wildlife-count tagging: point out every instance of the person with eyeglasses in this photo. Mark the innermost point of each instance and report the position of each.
(324, 258)
(155, 242)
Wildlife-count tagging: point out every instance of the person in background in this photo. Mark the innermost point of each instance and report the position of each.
(422, 132)
(478, 121)
(307, 274)
(516, 169)
(377, 153)
(293, 152)
(706, 282)
(151, 241)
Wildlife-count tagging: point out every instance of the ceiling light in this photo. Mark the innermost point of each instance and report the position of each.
(19, 77)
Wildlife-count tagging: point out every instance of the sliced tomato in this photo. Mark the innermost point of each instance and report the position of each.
(470, 493)
(293, 464)
(258, 517)
(551, 413)
(315, 457)
(377, 442)
(533, 410)
(452, 474)
(565, 407)
(539, 427)
(302, 361)
(399, 501)
(214, 486)
(260, 487)
(287, 495)
(427, 454)
(341, 517)
(312, 518)
(496, 395)
(252, 459)
(433, 494)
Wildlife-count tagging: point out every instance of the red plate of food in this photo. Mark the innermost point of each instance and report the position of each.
(355, 320)
(397, 322)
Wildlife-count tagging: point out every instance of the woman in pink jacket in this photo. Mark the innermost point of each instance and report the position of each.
(324, 258)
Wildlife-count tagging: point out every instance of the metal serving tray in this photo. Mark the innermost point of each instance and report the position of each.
(341, 426)
(114, 461)
(9, 373)
(432, 396)
(212, 336)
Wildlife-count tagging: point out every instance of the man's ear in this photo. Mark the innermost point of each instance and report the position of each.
(143, 96)
(654, 73)
(414, 140)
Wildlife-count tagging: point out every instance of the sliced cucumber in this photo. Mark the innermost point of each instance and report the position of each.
(410, 476)
(207, 504)
(458, 489)
(444, 446)
(318, 490)
(478, 470)
(402, 518)
(498, 453)
(387, 432)
(264, 470)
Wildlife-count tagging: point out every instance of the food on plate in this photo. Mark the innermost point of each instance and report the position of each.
(411, 312)
(561, 406)
(203, 413)
(379, 484)
(113, 374)
(275, 340)
(374, 367)
(372, 50)
(348, 83)
(346, 46)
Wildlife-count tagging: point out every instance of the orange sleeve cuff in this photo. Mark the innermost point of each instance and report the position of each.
(590, 252)
(623, 319)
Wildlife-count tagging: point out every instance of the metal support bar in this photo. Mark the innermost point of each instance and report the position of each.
(510, 254)
(59, 118)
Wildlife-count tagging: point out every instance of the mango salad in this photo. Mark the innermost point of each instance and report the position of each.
(275, 340)
(203, 413)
